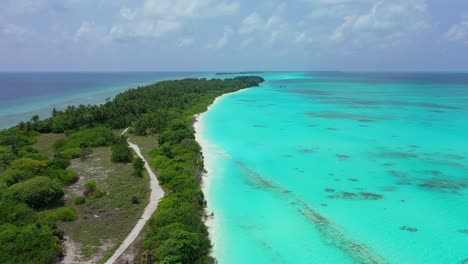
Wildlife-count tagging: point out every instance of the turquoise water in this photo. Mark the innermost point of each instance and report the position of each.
(23, 95)
(340, 168)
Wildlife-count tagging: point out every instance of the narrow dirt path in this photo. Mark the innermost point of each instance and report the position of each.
(156, 194)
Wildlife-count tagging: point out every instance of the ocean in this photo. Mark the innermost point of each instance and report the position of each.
(23, 95)
(333, 167)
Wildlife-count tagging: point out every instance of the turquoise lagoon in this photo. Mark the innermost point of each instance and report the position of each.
(339, 168)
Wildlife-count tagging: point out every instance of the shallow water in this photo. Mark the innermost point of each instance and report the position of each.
(340, 168)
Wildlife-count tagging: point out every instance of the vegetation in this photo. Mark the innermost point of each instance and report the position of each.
(30, 180)
(138, 166)
(104, 219)
(121, 152)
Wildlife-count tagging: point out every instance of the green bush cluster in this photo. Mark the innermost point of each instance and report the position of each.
(30, 181)
(138, 167)
(121, 152)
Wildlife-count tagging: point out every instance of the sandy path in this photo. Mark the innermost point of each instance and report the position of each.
(156, 194)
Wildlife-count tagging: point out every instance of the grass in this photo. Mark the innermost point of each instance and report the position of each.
(45, 143)
(104, 222)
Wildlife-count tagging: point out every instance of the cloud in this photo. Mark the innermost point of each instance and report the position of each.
(189, 8)
(459, 31)
(146, 28)
(40, 6)
(85, 29)
(246, 42)
(185, 42)
(384, 18)
(128, 13)
(251, 23)
(303, 38)
(15, 31)
(155, 18)
(271, 30)
(223, 40)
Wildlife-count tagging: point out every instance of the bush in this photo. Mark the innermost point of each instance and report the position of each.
(62, 214)
(138, 166)
(64, 176)
(121, 153)
(90, 187)
(19, 214)
(36, 192)
(59, 163)
(80, 200)
(70, 153)
(28, 164)
(29, 244)
(12, 176)
(91, 137)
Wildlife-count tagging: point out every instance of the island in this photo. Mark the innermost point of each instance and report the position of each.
(77, 170)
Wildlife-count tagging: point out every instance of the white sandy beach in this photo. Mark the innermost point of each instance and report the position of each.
(211, 153)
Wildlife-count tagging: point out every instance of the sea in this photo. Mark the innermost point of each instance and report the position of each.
(312, 167)
(337, 167)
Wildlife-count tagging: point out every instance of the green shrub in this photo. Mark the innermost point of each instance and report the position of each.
(64, 176)
(121, 153)
(15, 213)
(28, 164)
(12, 176)
(89, 187)
(80, 200)
(138, 167)
(29, 244)
(36, 192)
(61, 214)
(70, 153)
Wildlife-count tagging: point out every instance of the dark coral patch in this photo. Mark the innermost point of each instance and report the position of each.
(356, 196)
(409, 229)
(343, 156)
(329, 190)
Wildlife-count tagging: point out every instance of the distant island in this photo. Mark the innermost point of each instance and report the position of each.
(73, 177)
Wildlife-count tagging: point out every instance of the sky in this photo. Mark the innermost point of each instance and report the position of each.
(233, 35)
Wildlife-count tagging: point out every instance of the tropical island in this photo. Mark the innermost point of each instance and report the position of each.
(74, 177)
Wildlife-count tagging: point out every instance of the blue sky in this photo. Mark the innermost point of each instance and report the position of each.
(212, 35)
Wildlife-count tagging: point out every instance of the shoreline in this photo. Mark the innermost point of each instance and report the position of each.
(208, 150)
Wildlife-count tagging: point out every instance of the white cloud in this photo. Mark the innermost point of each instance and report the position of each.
(459, 31)
(223, 40)
(155, 18)
(303, 38)
(189, 8)
(251, 23)
(146, 28)
(85, 29)
(127, 13)
(246, 42)
(185, 42)
(384, 18)
(15, 31)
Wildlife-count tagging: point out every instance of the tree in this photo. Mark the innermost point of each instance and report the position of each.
(121, 153)
(138, 166)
